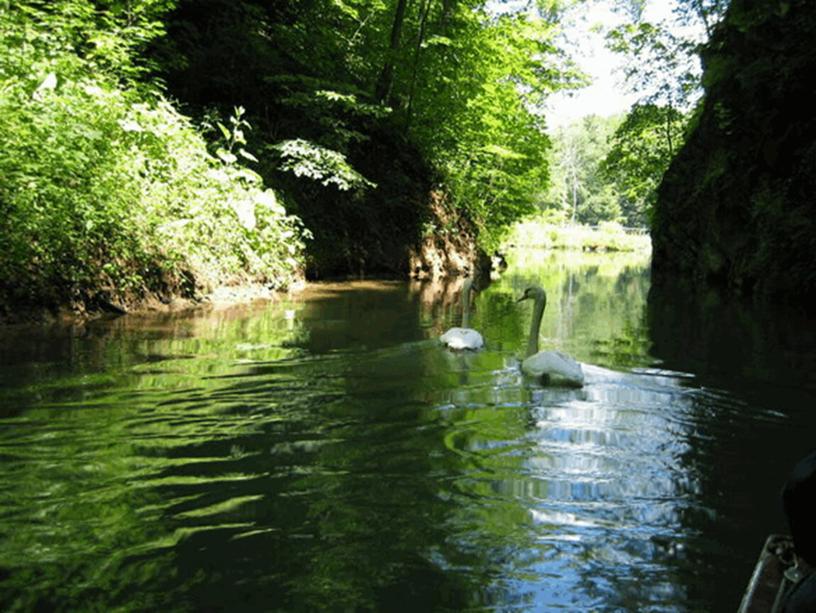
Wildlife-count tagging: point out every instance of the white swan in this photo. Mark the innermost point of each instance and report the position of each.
(464, 337)
(549, 365)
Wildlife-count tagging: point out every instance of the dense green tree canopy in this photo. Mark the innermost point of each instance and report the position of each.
(356, 103)
(363, 115)
(663, 70)
(106, 191)
(641, 149)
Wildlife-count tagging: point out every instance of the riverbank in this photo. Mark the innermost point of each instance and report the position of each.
(431, 261)
(72, 313)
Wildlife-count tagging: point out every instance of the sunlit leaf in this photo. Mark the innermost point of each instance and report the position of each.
(246, 154)
(226, 156)
(224, 130)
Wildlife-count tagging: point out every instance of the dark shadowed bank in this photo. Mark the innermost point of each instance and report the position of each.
(736, 207)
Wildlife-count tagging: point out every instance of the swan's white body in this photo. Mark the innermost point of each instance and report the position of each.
(551, 366)
(463, 338)
(554, 365)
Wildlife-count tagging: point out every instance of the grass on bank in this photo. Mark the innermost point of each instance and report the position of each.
(539, 233)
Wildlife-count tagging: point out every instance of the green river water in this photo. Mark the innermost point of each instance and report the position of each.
(324, 452)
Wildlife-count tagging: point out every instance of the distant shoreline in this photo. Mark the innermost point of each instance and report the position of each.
(539, 234)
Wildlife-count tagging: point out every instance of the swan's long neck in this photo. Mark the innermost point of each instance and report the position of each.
(466, 302)
(535, 325)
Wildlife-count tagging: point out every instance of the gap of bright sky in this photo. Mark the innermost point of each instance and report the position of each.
(607, 94)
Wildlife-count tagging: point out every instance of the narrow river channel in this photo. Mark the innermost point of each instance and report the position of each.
(324, 452)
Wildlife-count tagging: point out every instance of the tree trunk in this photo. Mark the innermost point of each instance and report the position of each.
(386, 80)
(701, 13)
(447, 10)
(426, 5)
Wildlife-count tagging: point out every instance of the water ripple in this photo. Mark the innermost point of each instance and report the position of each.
(298, 461)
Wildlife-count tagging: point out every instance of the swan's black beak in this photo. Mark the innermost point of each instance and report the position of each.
(522, 298)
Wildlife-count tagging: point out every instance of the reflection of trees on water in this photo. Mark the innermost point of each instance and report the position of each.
(713, 336)
(340, 458)
(112, 463)
(243, 476)
(398, 485)
(595, 303)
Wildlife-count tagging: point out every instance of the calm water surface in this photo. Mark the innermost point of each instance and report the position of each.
(324, 452)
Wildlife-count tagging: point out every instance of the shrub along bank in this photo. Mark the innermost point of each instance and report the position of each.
(107, 192)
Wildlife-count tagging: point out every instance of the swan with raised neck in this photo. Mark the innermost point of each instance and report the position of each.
(550, 366)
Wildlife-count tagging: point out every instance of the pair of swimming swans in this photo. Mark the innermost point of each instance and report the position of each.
(550, 366)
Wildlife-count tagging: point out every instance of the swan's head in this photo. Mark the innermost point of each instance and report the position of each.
(534, 292)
